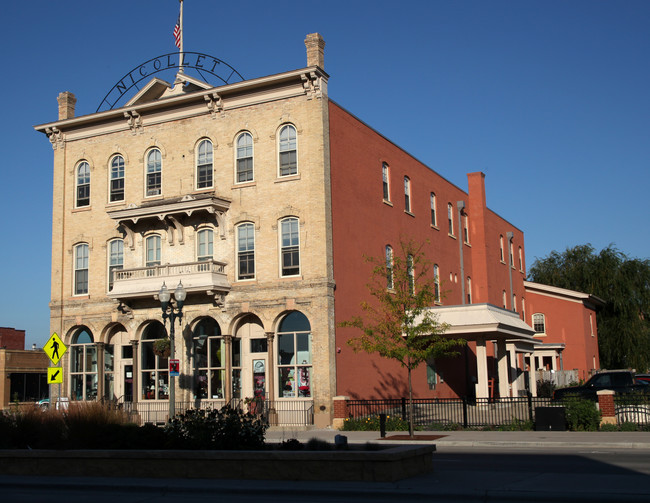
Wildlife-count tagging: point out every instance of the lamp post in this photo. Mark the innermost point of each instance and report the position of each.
(168, 312)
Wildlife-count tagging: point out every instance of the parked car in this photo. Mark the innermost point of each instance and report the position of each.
(643, 378)
(619, 381)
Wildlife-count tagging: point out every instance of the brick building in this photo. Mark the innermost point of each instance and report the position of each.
(262, 197)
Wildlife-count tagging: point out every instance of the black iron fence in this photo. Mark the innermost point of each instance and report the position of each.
(436, 412)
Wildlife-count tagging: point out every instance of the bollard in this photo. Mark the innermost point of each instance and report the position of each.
(382, 425)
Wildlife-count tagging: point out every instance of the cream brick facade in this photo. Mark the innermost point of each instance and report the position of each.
(175, 123)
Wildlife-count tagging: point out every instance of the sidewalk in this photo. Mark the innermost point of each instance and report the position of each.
(509, 439)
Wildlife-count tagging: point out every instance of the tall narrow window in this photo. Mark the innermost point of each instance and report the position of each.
(115, 260)
(411, 274)
(539, 323)
(117, 179)
(521, 260)
(246, 251)
(389, 267)
(432, 375)
(294, 356)
(512, 255)
(501, 248)
(244, 158)
(407, 194)
(450, 218)
(83, 185)
(385, 178)
(523, 309)
(83, 366)
(154, 173)
(204, 165)
(155, 369)
(436, 283)
(204, 240)
(434, 220)
(288, 153)
(505, 300)
(514, 302)
(209, 360)
(469, 290)
(153, 250)
(465, 228)
(81, 269)
(290, 247)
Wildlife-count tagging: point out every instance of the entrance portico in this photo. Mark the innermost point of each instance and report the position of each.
(481, 323)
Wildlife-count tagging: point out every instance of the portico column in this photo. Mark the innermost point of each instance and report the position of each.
(136, 373)
(502, 369)
(227, 339)
(514, 369)
(532, 376)
(100, 369)
(481, 370)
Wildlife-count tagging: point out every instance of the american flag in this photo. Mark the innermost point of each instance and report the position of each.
(177, 33)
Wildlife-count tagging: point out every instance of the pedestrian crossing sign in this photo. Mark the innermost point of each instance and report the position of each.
(54, 348)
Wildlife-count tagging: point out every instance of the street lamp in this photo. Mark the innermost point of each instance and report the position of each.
(168, 312)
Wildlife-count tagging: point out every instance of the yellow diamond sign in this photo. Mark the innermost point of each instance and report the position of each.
(54, 375)
(54, 348)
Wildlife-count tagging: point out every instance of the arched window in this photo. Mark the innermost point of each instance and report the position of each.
(539, 323)
(154, 173)
(385, 177)
(246, 251)
(469, 290)
(514, 302)
(501, 248)
(204, 165)
(512, 255)
(83, 185)
(152, 249)
(204, 245)
(294, 356)
(244, 158)
(155, 368)
(523, 309)
(407, 194)
(521, 260)
(505, 300)
(83, 366)
(389, 267)
(465, 228)
(436, 283)
(115, 260)
(209, 360)
(81, 269)
(290, 247)
(434, 221)
(288, 151)
(450, 218)
(117, 179)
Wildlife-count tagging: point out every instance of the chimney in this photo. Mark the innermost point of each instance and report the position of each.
(315, 50)
(67, 101)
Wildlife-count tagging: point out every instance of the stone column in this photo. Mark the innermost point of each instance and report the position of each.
(228, 356)
(270, 378)
(502, 369)
(99, 347)
(136, 373)
(481, 370)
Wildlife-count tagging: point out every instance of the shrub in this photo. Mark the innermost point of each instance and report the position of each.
(371, 423)
(316, 444)
(227, 428)
(545, 389)
(581, 414)
(516, 425)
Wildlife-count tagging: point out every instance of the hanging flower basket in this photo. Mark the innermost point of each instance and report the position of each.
(162, 347)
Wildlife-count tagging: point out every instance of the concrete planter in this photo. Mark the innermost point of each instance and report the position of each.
(386, 465)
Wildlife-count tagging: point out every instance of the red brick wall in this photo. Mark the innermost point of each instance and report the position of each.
(10, 338)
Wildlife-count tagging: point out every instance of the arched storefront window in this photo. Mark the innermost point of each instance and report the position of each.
(155, 368)
(83, 366)
(209, 360)
(294, 356)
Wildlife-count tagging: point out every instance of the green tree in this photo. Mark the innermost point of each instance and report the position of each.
(623, 283)
(397, 323)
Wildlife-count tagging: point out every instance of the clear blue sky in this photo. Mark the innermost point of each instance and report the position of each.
(551, 99)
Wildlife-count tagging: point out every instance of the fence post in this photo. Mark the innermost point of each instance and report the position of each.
(529, 395)
(606, 406)
(403, 409)
(465, 412)
(341, 411)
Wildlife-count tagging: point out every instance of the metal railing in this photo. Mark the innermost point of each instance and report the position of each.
(632, 408)
(159, 271)
(444, 411)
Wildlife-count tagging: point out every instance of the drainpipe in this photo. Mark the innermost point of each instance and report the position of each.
(510, 235)
(461, 206)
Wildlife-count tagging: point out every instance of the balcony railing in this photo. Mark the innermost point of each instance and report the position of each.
(205, 276)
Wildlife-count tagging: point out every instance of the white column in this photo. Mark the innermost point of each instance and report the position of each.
(514, 369)
(502, 369)
(481, 370)
(532, 374)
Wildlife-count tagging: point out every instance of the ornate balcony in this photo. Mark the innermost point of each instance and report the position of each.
(208, 277)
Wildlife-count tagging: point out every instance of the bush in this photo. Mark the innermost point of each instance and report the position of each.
(545, 389)
(227, 428)
(581, 414)
(516, 425)
(371, 423)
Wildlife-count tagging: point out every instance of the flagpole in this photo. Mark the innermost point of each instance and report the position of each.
(180, 59)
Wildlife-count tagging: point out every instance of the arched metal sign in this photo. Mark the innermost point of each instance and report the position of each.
(196, 60)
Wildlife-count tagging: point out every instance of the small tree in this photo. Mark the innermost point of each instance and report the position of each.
(398, 324)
